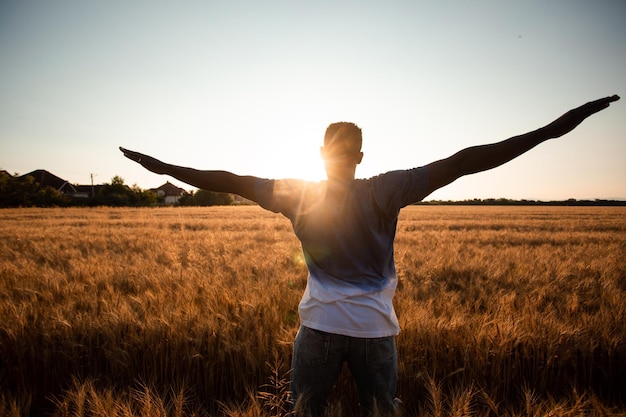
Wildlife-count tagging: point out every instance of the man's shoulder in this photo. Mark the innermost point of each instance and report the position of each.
(398, 175)
(396, 189)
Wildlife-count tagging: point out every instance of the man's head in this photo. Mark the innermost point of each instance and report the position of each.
(344, 137)
(342, 150)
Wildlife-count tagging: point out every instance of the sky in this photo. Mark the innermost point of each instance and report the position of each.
(250, 87)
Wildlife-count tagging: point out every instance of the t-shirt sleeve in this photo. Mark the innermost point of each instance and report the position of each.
(397, 189)
(264, 191)
(286, 196)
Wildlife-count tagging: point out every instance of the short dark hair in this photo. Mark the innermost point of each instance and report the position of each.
(345, 134)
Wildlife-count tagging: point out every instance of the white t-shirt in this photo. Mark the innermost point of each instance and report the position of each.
(347, 239)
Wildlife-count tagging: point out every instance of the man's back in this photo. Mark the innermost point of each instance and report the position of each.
(347, 233)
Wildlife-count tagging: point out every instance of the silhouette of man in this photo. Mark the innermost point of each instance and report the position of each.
(347, 228)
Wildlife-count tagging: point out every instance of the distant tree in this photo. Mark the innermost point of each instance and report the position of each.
(115, 193)
(144, 197)
(49, 197)
(209, 198)
(187, 199)
(205, 198)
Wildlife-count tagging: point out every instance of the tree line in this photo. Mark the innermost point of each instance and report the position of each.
(25, 191)
(510, 202)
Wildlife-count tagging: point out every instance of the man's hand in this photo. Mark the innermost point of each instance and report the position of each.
(573, 118)
(148, 162)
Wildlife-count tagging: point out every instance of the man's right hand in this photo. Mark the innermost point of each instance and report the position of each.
(148, 162)
(574, 117)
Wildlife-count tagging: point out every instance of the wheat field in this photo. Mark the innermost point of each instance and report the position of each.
(505, 311)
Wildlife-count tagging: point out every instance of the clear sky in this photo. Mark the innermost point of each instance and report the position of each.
(250, 86)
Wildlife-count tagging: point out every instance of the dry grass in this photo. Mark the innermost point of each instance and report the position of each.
(192, 311)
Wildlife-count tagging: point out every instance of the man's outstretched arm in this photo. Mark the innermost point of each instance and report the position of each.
(217, 181)
(481, 158)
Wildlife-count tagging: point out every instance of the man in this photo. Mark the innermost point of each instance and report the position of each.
(347, 228)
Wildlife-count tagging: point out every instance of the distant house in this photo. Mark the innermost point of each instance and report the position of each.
(169, 192)
(47, 179)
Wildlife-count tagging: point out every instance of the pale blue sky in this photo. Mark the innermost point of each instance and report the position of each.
(250, 87)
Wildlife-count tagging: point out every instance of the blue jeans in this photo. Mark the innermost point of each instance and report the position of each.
(317, 361)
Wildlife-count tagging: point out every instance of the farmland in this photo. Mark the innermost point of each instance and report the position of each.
(192, 311)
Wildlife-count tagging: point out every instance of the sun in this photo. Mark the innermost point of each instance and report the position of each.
(285, 148)
(297, 160)
(280, 151)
